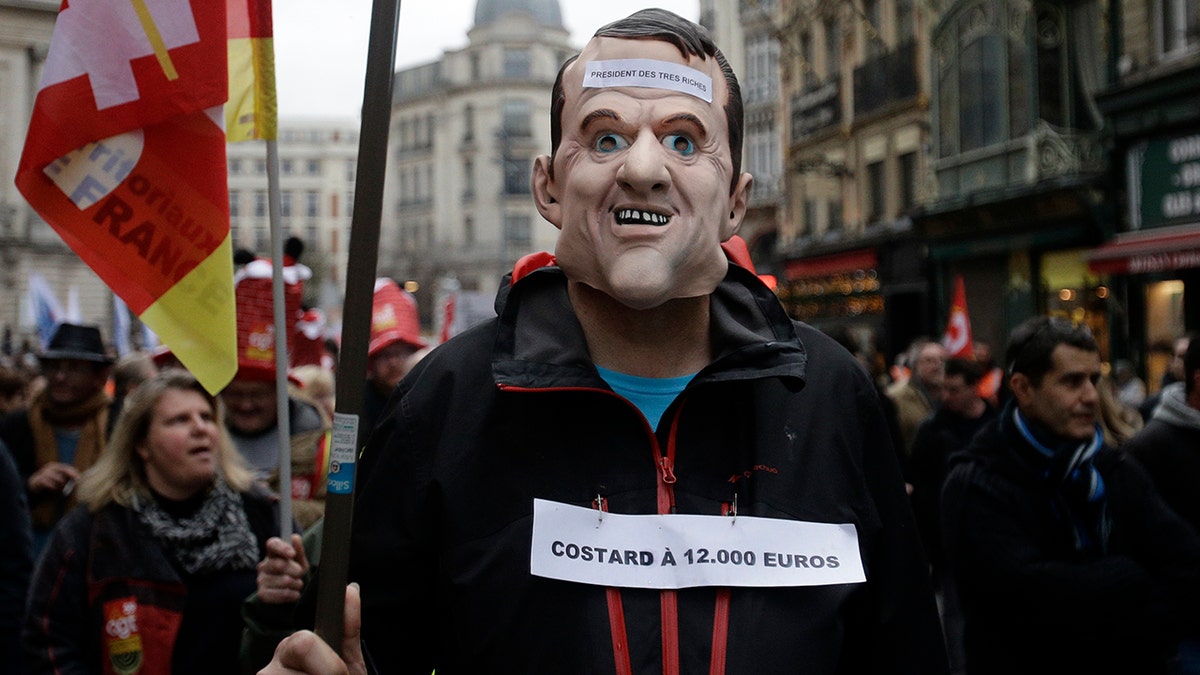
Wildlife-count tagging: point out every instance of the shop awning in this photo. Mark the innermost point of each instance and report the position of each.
(1148, 251)
(838, 263)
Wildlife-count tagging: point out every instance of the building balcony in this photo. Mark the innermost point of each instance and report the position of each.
(886, 79)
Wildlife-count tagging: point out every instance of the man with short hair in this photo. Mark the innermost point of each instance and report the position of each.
(63, 432)
(560, 489)
(1065, 557)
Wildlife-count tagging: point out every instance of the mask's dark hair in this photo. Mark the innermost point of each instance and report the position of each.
(692, 40)
(1031, 345)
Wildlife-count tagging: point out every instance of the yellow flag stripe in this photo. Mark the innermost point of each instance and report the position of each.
(156, 41)
(196, 319)
(251, 110)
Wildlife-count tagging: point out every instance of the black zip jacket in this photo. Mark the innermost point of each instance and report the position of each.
(1034, 604)
(784, 423)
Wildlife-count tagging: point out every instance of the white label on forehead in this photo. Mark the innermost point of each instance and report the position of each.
(648, 73)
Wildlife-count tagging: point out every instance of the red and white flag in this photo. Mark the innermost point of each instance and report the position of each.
(958, 340)
(125, 159)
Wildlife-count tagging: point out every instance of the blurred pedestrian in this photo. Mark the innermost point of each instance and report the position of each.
(1169, 447)
(1065, 557)
(920, 394)
(14, 391)
(1174, 373)
(1131, 390)
(251, 399)
(16, 564)
(963, 412)
(149, 573)
(394, 348)
(63, 432)
(128, 372)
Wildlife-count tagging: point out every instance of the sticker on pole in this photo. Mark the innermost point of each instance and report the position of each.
(342, 454)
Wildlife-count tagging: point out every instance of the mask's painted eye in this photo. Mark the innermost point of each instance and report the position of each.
(610, 143)
(681, 144)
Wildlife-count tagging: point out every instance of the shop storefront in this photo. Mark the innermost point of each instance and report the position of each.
(1157, 262)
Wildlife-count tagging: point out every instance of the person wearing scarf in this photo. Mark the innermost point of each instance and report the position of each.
(63, 432)
(149, 572)
(1169, 447)
(1065, 557)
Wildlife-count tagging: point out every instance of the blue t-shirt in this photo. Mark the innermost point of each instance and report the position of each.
(651, 395)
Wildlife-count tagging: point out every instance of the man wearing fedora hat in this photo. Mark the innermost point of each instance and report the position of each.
(63, 431)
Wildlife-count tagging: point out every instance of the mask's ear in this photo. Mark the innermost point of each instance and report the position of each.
(738, 200)
(545, 192)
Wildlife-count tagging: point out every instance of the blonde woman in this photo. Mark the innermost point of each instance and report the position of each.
(149, 572)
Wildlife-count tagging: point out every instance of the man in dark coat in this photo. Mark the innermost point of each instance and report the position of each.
(1065, 557)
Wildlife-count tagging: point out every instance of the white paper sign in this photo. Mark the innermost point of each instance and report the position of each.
(573, 543)
(648, 73)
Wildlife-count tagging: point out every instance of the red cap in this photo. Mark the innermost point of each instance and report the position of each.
(393, 318)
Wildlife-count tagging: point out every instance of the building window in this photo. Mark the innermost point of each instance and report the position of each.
(875, 192)
(262, 238)
(260, 203)
(517, 62)
(990, 84)
(873, 13)
(516, 175)
(517, 233)
(468, 123)
(351, 170)
(762, 69)
(312, 236)
(1177, 26)
(908, 180)
(312, 167)
(468, 179)
(517, 118)
(808, 72)
(312, 203)
(285, 204)
(469, 231)
(235, 203)
(287, 166)
(906, 21)
(833, 48)
(810, 216)
(260, 167)
(235, 167)
(836, 222)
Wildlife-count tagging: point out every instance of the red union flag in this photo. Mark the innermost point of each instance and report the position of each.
(125, 159)
(958, 340)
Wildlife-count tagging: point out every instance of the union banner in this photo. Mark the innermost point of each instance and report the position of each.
(125, 159)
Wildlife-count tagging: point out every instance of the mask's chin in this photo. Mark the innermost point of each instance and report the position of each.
(643, 279)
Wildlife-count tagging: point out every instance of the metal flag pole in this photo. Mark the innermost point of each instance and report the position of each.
(356, 320)
(281, 335)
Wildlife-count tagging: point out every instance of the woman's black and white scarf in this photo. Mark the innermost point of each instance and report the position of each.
(1070, 470)
(217, 537)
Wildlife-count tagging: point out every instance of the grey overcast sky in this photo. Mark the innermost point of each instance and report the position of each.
(321, 46)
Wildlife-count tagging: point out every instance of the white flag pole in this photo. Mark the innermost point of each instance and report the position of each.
(281, 336)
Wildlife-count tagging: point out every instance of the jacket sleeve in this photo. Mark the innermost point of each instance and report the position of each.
(57, 622)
